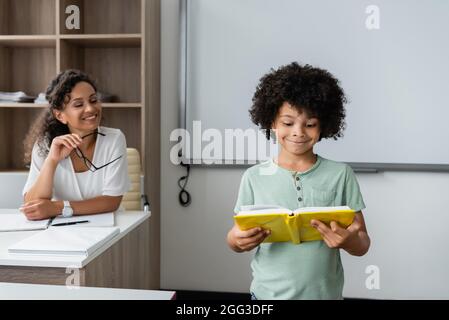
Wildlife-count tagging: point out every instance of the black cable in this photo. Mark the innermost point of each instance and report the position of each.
(184, 197)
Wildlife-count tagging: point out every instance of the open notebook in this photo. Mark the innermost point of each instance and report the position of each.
(65, 241)
(18, 221)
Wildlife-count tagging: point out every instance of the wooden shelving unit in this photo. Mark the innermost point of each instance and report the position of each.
(118, 44)
(35, 45)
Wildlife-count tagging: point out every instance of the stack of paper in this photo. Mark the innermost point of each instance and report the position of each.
(65, 241)
(18, 96)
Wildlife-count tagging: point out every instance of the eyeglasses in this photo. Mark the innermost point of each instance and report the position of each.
(89, 163)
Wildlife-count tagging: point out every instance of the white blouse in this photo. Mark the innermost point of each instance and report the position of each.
(111, 180)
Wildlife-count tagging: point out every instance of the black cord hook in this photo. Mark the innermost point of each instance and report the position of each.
(184, 197)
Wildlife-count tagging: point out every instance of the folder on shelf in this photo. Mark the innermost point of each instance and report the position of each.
(65, 241)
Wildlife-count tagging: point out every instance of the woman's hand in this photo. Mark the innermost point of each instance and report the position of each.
(247, 240)
(62, 146)
(40, 209)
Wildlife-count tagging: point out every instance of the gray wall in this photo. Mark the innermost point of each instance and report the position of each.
(406, 217)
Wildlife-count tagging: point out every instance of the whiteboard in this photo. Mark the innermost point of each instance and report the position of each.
(395, 77)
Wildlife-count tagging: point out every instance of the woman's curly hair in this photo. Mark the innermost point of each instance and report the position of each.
(314, 90)
(47, 127)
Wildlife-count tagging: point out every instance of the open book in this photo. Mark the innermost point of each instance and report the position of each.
(294, 226)
(18, 221)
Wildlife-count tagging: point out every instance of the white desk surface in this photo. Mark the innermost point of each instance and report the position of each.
(21, 291)
(126, 221)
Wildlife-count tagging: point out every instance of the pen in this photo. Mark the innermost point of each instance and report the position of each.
(68, 223)
(49, 222)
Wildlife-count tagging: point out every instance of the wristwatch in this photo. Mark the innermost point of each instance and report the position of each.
(67, 211)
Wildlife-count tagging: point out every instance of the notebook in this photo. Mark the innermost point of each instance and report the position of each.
(18, 221)
(65, 241)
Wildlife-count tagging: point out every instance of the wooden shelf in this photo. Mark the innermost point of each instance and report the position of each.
(117, 70)
(27, 17)
(22, 105)
(104, 41)
(110, 45)
(104, 16)
(26, 68)
(14, 171)
(122, 105)
(86, 41)
(38, 105)
(28, 41)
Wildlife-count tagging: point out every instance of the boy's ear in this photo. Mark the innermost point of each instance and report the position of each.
(59, 116)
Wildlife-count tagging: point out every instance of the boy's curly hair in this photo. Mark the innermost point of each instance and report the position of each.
(313, 90)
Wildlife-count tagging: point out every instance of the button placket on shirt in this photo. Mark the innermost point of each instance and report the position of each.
(298, 187)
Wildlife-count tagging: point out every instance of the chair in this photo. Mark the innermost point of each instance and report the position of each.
(135, 198)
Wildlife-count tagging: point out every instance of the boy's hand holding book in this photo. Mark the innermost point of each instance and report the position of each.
(246, 240)
(353, 239)
(291, 225)
(336, 236)
(339, 227)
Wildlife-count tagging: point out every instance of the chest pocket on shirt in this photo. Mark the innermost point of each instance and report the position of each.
(323, 198)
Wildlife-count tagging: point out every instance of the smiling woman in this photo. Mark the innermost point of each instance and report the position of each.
(76, 166)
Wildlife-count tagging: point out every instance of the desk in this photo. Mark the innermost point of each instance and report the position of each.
(123, 262)
(20, 291)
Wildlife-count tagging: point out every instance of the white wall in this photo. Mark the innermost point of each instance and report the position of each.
(11, 185)
(406, 216)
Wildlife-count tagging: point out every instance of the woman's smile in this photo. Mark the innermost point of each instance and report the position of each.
(90, 117)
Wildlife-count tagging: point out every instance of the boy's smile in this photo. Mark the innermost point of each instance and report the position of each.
(296, 132)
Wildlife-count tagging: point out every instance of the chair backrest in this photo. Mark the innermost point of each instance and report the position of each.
(132, 199)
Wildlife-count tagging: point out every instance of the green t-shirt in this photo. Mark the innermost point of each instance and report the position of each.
(310, 270)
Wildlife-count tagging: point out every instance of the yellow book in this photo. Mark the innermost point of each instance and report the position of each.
(294, 226)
